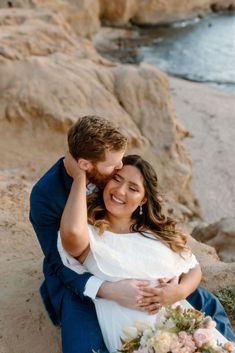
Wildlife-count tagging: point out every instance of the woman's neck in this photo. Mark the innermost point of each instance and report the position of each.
(119, 226)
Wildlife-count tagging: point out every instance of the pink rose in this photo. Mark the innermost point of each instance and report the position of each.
(229, 346)
(185, 344)
(202, 335)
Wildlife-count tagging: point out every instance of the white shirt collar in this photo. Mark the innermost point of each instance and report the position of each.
(90, 188)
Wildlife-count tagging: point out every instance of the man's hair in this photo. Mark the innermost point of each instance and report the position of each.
(91, 136)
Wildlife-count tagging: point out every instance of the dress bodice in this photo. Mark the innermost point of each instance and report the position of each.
(133, 255)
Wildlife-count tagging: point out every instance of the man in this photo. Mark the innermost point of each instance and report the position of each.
(98, 148)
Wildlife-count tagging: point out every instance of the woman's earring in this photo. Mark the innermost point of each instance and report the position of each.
(141, 210)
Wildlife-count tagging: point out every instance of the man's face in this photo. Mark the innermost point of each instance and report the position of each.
(100, 172)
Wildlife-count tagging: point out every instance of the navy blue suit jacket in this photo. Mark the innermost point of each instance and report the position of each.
(47, 201)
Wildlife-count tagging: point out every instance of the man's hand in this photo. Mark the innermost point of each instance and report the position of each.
(126, 292)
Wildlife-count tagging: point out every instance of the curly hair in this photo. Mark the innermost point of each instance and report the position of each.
(152, 220)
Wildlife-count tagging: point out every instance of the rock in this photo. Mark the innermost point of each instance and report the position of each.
(142, 12)
(215, 273)
(117, 13)
(57, 78)
(35, 33)
(82, 15)
(219, 235)
(218, 6)
(108, 39)
(85, 15)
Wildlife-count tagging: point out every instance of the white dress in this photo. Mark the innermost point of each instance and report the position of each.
(118, 256)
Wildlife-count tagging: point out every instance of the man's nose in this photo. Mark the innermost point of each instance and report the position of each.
(119, 166)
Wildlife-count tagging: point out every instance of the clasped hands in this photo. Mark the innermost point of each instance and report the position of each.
(138, 295)
(153, 298)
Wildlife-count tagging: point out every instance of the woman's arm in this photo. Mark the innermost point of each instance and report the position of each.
(73, 226)
(190, 281)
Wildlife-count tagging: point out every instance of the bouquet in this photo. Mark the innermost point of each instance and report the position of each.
(177, 330)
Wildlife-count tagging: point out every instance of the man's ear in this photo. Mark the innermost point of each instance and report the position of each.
(84, 164)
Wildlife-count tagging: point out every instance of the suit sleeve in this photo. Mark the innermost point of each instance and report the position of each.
(45, 218)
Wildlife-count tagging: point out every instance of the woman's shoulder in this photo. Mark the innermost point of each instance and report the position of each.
(92, 229)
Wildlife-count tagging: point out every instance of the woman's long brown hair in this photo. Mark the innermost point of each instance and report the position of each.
(152, 220)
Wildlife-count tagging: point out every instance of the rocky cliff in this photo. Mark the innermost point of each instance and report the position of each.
(50, 74)
(85, 16)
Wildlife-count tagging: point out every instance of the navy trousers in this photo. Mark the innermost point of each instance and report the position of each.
(80, 329)
(205, 301)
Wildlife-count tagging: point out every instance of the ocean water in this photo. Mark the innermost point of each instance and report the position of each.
(200, 50)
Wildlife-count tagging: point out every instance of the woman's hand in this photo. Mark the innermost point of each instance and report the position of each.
(166, 293)
(72, 167)
(170, 292)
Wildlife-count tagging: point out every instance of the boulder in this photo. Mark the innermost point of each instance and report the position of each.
(219, 235)
(82, 15)
(215, 273)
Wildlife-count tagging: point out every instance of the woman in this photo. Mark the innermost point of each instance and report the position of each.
(126, 235)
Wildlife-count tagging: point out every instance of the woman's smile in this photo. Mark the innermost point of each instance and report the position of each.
(116, 199)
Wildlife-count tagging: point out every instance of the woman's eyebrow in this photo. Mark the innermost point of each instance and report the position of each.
(117, 174)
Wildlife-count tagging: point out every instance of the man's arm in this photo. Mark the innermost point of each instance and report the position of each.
(45, 220)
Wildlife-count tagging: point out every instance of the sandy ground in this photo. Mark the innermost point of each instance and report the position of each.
(26, 154)
(24, 325)
(209, 114)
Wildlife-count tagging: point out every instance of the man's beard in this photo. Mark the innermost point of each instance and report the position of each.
(95, 177)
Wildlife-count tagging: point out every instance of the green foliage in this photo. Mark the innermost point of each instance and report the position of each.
(185, 319)
(227, 298)
(130, 346)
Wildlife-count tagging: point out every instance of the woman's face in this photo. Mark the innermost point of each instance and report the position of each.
(124, 192)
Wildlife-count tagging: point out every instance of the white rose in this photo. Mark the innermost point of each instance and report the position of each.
(212, 324)
(130, 332)
(142, 325)
(147, 334)
(169, 324)
(160, 318)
